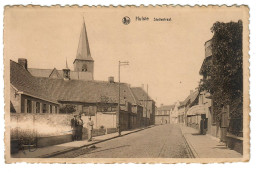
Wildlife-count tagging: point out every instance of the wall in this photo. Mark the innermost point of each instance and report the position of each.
(40, 125)
(49, 129)
(79, 63)
(108, 120)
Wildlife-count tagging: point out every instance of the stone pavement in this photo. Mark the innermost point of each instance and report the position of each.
(206, 146)
(54, 150)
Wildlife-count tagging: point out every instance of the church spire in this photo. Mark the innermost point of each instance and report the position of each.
(83, 52)
(67, 67)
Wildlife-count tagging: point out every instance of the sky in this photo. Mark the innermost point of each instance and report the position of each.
(165, 55)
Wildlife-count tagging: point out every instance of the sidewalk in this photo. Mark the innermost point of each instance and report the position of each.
(206, 146)
(54, 150)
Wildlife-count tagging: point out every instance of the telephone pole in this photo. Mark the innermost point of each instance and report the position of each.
(118, 109)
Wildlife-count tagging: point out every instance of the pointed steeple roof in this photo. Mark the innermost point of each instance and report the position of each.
(67, 64)
(83, 52)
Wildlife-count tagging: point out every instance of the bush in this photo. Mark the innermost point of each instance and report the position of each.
(67, 109)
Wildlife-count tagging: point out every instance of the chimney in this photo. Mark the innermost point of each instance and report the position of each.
(23, 62)
(66, 74)
(111, 79)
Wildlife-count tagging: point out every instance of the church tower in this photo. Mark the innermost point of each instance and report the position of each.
(83, 62)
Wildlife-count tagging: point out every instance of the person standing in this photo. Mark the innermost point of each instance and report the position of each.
(80, 127)
(90, 125)
(73, 123)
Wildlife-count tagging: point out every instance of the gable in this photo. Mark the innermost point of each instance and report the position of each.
(55, 74)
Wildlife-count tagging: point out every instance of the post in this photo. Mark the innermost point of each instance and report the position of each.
(118, 114)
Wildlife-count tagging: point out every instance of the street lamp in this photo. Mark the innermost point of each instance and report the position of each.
(118, 114)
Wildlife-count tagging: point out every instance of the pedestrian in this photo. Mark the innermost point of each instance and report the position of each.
(80, 126)
(73, 123)
(90, 125)
(161, 121)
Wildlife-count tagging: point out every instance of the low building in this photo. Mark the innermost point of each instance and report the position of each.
(27, 95)
(162, 115)
(147, 103)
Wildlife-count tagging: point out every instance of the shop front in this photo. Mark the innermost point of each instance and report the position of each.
(196, 118)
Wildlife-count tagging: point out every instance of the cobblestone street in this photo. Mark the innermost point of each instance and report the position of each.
(164, 141)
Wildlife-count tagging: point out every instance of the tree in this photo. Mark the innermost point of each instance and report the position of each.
(226, 71)
(67, 109)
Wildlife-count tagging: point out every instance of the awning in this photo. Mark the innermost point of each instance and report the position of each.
(197, 110)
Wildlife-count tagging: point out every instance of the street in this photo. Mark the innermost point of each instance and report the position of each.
(163, 141)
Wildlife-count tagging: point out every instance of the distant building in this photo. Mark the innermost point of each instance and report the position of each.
(185, 105)
(147, 103)
(174, 113)
(162, 115)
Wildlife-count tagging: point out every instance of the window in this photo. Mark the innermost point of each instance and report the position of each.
(29, 106)
(44, 108)
(84, 67)
(37, 107)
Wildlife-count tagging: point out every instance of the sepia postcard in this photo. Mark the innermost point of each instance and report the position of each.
(126, 84)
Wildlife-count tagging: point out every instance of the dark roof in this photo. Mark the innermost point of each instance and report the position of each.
(24, 82)
(48, 72)
(140, 94)
(86, 91)
(166, 107)
(40, 72)
(192, 97)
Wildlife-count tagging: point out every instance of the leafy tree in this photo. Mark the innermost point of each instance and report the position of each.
(226, 72)
(67, 109)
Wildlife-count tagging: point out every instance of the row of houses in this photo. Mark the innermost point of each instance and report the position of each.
(196, 111)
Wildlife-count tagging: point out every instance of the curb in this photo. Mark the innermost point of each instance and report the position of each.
(76, 148)
(191, 151)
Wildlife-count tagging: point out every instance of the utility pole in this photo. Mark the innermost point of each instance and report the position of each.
(118, 109)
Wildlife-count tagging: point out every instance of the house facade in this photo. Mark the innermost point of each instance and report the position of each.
(147, 103)
(162, 115)
(185, 105)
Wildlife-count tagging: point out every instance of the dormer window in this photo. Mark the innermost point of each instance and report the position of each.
(84, 67)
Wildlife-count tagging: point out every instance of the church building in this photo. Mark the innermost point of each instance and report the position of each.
(83, 63)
